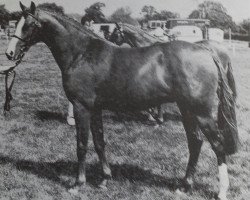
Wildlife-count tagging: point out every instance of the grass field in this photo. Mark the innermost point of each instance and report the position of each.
(37, 147)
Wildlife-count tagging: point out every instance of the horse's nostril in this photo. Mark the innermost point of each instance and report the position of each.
(9, 56)
(11, 53)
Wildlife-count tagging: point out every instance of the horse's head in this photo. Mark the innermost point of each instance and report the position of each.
(26, 34)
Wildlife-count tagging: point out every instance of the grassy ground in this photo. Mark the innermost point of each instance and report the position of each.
(37, 147)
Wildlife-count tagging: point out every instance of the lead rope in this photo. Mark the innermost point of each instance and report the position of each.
(8, 88)
(8, 95)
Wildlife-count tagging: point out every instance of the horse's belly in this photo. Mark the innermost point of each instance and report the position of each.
(138, 97)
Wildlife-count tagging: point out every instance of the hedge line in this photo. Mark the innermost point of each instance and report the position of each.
(240, 37)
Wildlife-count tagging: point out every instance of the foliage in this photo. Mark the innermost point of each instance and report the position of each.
(235, 36)
(94, 12)
(246, 25)
(123, 14)
(195, 14)
(16, 15)
(216, 13)
(4, 15)
(165, 15)
(52, 7)
(150, 13)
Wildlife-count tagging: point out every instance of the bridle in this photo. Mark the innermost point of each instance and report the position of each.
(28, 42)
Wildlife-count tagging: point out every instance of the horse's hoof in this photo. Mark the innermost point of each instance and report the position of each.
(217, 197)
(151, 119)
(156, 126)
(74, 190)
(161, 120)
(71, 121)
(180, 192)
(185, 186)
(103, 185)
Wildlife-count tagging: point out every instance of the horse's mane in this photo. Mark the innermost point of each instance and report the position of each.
(78, 26)
(138, 32)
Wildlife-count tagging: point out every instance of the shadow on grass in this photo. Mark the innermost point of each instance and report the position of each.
(47, 115)
(120, 172)
(53, 171)
(143, 118)
(116, 117)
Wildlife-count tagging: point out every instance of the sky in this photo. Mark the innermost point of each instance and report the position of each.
(238, 9)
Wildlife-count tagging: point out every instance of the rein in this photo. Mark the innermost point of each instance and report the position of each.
(8, 88)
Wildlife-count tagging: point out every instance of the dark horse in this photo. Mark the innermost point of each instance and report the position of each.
(97, 75)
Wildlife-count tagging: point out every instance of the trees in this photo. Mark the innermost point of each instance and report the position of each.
(52, 7)
(246, 25)
(216, 13)
(4, 16)
(165, 15)
(123, 14)
(150, 13)
(94, 12)
(16, 15)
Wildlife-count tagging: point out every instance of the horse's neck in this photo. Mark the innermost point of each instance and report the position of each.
(136, 41)
(62, 42)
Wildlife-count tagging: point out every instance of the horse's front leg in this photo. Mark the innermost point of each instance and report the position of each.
(82, 118)
(96, 125)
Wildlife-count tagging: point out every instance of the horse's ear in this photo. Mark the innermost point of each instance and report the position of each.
(32, 7)
(23, 7)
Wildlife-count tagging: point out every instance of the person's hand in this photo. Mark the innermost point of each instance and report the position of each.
(5, 69)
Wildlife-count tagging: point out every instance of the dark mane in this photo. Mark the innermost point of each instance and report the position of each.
(78, 26)
(139, 33)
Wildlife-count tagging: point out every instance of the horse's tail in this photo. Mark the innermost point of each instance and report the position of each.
(231, 81)
(227, 122)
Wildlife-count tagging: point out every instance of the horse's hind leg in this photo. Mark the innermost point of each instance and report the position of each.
(160, 113)
(194, 145)
(70, 117)
(97, 132)
(209, 128)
